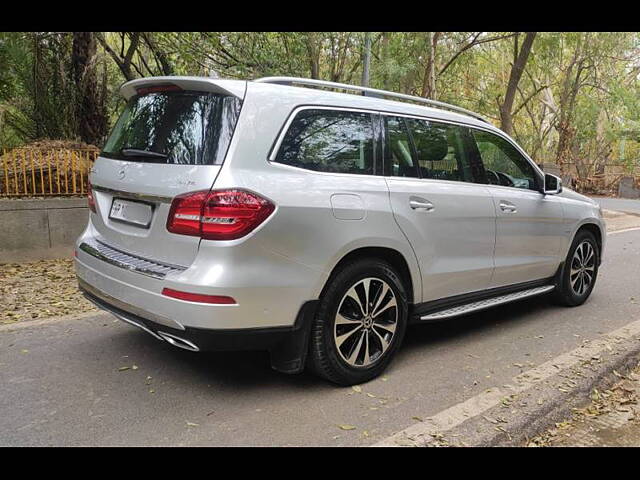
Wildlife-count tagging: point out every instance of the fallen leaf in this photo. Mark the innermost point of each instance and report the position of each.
(357, 388)
(346, 427)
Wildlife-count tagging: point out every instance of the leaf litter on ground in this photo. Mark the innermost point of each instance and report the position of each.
(35, 290)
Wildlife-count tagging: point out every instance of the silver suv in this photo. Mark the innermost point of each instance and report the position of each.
(281, 214)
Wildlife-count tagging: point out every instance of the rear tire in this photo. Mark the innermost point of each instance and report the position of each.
(580, 271)
(360, 323)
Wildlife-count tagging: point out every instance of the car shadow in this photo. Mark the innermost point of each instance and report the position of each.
(247, 370)
(233, 370)
(433, 333)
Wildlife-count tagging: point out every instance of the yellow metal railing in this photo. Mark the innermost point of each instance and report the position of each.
(26, 172)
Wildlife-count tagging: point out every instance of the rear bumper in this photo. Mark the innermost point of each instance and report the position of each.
(268, 288)
(287, 345)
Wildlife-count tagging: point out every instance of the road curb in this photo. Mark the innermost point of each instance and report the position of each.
(558, 406)
(512, 414)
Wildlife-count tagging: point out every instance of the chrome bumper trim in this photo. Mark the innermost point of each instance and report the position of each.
(120, 308)
(135, 263)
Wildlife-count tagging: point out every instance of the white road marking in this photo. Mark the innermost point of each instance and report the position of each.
(477, 405)
(623, 230)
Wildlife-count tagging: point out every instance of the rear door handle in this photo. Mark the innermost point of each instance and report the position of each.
(507, 207)
(421, 204)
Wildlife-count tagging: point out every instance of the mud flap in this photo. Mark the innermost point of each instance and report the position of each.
(289, 356)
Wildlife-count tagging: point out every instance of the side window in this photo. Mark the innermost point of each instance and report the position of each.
(503, 163)
(397, 152)
(329, 141)
(441, 152)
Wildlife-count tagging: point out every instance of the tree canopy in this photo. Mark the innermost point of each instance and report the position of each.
(565, 97)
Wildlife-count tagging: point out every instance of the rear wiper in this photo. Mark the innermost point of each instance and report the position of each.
(133, 152)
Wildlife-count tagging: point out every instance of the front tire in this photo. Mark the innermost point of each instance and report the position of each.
(360, 324)
(580, 271)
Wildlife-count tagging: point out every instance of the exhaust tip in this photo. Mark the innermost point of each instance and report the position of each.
(179, 342)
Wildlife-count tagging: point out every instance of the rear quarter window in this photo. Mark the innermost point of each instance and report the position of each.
(180, 127)
(329, 141)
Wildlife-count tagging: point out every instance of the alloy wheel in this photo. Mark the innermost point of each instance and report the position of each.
(583, 266)
(366, 322)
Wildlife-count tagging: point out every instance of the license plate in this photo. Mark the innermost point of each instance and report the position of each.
(134, 213)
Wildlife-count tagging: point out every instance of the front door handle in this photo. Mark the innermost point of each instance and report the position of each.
(507, 207)
(421, 204)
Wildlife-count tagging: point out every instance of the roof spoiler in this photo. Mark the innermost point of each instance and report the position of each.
(236, 88)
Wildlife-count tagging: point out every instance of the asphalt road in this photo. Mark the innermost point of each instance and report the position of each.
(60, 383)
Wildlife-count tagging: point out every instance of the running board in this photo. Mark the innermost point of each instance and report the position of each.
(487, 303)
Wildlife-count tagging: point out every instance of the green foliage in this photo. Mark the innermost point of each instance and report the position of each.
(39, 102)
(576, 101)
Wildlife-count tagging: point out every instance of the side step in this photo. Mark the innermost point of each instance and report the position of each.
(487, 303)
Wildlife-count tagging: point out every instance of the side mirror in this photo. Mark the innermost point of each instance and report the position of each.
(552, 184)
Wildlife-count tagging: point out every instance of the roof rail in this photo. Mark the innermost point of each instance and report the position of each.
(372, 92)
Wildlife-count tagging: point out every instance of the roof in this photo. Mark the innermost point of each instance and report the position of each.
(286, 88)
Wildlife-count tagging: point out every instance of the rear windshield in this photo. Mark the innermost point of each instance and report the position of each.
(176, 127)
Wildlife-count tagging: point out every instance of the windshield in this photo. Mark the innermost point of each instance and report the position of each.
(175, 127)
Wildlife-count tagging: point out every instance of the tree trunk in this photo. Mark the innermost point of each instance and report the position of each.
(429, 81)
(124, 63)
(90, 107)
(385, 56)
(366, 61)
(163, 60)
(314, 55)
(520, 61)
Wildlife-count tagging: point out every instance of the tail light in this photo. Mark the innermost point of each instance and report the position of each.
(218, 214)
(90, 199)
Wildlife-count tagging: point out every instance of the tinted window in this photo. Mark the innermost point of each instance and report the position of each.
(183, 127)
(329, 141)
(440, 149)
(397, 152)
(503, 163)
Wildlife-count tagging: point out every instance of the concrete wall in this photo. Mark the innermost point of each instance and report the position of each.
(37, 229)
(627, 188)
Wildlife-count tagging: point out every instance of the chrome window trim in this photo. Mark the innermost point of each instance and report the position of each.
(316, 172)
(132, 195)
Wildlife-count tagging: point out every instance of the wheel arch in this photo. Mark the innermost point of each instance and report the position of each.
(394, 257)
(597, 232)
